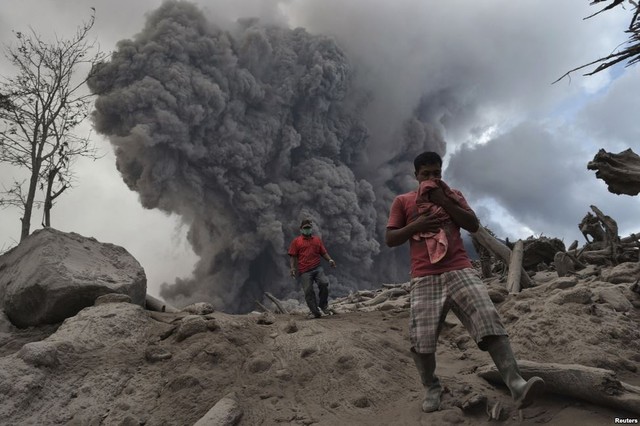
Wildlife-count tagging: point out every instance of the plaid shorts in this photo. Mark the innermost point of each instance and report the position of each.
(461, 291)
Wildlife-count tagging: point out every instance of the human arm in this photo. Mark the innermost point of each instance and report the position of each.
(328, 258)
(398, 236)
(293, 262)
(399, 231)
(463, 216)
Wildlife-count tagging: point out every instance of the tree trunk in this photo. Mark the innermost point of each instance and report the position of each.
(596, 385)
(515, 268)
(485, 257)
(501, 251)
(51, 196)
(48, 200)
(28, 207)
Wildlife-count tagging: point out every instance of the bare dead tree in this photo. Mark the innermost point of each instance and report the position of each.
(40, 108)
(631, 51)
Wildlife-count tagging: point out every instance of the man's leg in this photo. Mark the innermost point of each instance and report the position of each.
(309, 293)
(426, 365)
(323, 289)
(472, 304)
(523, 391)
(428, 309)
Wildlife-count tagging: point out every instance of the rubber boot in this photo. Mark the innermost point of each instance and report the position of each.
(426, 365)
(523, 391)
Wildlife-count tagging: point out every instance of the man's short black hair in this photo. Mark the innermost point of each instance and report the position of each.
(305, 222)
(426, 159)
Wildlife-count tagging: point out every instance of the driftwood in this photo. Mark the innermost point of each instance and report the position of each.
(564, 264)
(261, 306)
(279, 308)
(621, 171)
(596, 385)
(501, 251)
(590, 226)
(385, 295)
(631, 239)
(485, 257)
(606, 247)
(154, 304)
(610, 227)
(540, 250)
(515, 268)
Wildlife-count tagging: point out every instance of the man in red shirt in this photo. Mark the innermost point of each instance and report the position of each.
(449, 282)
(305, 252)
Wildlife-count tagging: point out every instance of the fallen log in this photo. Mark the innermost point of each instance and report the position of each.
(630, 239)
(385, 295)
(501, 251)
(264, 308)
(279, 308)
(515, 268)
(485, 257)
(595, 385)
(576, 262)
(154, 304)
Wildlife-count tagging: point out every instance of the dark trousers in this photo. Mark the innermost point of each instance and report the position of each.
(307, 279)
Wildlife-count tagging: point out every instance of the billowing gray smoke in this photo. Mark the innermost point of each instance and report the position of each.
(243, 133)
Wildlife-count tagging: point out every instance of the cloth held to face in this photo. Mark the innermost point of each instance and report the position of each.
(437, 242)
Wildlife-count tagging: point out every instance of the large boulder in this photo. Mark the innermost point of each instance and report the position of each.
(52, 275)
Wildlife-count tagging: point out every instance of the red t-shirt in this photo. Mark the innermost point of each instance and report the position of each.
(404, 211)
(308, 250)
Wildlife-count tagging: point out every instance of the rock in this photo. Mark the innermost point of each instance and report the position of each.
(453, 416)
(266, 318)
(497, 294)
(200, 308)
(474, 402)
(155, 353)
(184, 381)
(579, 295)
(614, 297)
(260, 364)
(5, 324)
(361, 402)
(562, 283)
(387, 306)
(112, 298)
(190, 325)
(52, 275)
(110, 324)
(212, 324)
(627, 272)
(226, 412)
(40, 354)
(308, 351)
(290, 327)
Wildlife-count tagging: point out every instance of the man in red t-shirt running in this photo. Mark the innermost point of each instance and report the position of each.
(305, 252)
(442, 278)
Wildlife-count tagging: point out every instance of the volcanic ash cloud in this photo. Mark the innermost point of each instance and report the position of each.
(243, 133)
